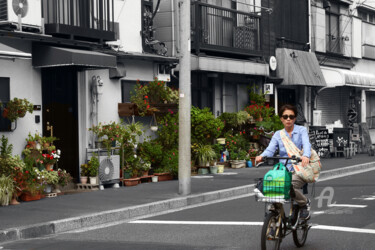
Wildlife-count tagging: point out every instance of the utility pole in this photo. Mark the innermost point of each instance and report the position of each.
(184, 153)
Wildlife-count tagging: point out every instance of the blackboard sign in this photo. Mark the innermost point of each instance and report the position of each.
(340, 137)
(319, 139)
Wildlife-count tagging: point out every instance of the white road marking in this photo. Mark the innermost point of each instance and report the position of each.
(319, 212)
(345, 229)
(171, 222)
(347, 205)
(250, 223)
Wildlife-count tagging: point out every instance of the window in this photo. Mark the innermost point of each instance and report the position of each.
(4, 99)
(332, 29)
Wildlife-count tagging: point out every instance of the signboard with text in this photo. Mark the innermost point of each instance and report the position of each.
(319, 139)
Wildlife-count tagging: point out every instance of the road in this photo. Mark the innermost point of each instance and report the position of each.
(344, 220)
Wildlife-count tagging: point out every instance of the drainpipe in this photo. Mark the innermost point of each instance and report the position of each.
(317, 94)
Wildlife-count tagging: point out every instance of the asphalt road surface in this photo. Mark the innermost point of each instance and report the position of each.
(343, 219)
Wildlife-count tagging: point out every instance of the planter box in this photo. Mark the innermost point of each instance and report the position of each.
(164, 176)
(131, 181)
(238, 164)
(28, 197)
(129, 109)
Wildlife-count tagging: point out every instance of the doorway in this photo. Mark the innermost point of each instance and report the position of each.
(60, 114)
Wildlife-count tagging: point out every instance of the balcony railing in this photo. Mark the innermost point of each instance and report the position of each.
(224, 30)
(91, 20)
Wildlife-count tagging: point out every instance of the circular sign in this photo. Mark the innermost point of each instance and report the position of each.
(273, 63)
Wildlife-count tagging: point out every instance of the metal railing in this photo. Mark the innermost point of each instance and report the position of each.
(226, 30)
(88, 14)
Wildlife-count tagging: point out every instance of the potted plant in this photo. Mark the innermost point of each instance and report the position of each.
(51, 178)
(64, 179)
(49, 159)
(84, 173)
(17, 108)
(204, 154)
(93, 169)
(7, 188)
(149, 96)
(32, 183)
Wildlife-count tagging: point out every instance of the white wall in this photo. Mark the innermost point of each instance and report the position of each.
(25, 82)
(128, 14)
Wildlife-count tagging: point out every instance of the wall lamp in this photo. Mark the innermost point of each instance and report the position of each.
(293, 55)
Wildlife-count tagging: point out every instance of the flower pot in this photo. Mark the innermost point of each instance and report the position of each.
(131, 182)
(164, 176)
(213, 169)
(27, 196)
(203, 170)
(155, 178)
(249, 164)
(144, 173)
(220, 141)
(48, 189)
(154, 128)
(32, 144)
(84, 179)
(253, 161)
(220, 169)
(238, 164)
(5, 113)
(93, 180)
(49, 166)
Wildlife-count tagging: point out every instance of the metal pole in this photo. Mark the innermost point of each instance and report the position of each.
(184, 156)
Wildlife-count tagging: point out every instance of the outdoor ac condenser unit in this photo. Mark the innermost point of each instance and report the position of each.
(109, 168)
(30, 12)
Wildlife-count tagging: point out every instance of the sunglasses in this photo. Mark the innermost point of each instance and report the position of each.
(291, 117)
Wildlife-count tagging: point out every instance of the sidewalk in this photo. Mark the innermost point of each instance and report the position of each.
(68, 212)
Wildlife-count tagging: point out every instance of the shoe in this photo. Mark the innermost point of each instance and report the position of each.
(304, 213)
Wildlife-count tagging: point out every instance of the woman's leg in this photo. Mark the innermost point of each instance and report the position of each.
(298, 183)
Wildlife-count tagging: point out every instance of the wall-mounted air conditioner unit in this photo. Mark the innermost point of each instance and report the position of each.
(29, 12)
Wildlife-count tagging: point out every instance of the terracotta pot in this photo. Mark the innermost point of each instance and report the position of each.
(5, 113)
(32, 144)
(84, 179)
(164, 176)
(27, 196)
(49, 166)
(252, 161)
(144, 173)
(131, 181)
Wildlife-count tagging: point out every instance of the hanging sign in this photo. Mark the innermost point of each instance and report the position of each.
(268, 89)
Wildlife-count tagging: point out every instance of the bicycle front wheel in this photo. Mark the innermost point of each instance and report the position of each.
(300, 234)
(271, 233)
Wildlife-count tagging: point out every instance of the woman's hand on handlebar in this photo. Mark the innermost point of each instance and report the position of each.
(259, 158)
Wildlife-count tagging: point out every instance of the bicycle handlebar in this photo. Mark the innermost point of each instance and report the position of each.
(293, 158)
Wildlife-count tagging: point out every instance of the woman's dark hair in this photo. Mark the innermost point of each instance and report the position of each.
(288, 107)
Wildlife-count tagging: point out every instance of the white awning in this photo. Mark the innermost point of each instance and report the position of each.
(342, 77)
(225, 65)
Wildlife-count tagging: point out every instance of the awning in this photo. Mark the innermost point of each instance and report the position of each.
(340, 77)
(298, 68)
(49, 56)
(225, 65)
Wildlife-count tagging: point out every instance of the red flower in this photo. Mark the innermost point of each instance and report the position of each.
(146, 96)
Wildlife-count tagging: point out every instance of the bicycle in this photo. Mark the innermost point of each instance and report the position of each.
(276, 224)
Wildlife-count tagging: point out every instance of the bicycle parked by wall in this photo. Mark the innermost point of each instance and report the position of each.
(277, 225)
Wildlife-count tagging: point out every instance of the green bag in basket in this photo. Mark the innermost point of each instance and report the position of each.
(277, 182)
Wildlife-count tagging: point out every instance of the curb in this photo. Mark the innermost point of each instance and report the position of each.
(128, 213)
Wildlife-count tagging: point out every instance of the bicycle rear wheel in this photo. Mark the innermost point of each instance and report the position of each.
(269, 239)
(300, 234)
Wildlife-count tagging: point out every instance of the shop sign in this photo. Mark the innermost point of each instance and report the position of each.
(268, 88)
(273, 63)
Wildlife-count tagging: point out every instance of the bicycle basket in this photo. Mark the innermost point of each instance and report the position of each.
(277, 182)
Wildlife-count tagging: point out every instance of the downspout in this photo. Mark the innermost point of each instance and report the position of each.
(317, 94)
(173, 37)
(308, 108)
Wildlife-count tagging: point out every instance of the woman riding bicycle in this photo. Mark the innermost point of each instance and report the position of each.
(299, 136)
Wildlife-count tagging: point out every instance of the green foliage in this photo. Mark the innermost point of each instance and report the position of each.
(9, 165)
(17, 108)
(170, 162)
(242, 117)
(64, 177)
(154, 92)
(93, 166)
(256, 95)
(237, 146)
(168, 131)
(5, 149)
(151, 151)
(230, 122)
(85, 170)
(7, 187)
(50, 177)
(217, 148)
(204, 126)
(204, 154)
